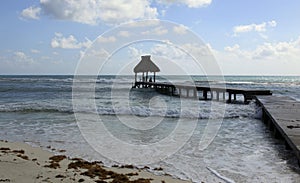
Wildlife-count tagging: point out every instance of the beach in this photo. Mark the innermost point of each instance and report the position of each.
(20, 162)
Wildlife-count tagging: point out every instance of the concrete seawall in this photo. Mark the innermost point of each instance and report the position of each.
(282, 116)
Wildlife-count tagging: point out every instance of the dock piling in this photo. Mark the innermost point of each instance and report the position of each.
(190, 91)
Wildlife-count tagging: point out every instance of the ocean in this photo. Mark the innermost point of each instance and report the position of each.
(101, 118)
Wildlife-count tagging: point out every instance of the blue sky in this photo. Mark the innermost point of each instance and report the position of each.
(247, 37)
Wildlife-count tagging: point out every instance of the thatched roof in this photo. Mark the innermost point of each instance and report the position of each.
(146, 65)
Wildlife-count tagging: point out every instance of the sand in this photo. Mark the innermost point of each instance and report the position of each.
(19, 162)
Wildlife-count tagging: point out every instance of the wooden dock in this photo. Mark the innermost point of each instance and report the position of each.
(282, 116)
(208, 93)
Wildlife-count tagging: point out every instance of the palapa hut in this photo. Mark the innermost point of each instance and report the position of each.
(144, 66)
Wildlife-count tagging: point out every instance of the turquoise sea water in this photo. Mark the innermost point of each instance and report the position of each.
(40, 110)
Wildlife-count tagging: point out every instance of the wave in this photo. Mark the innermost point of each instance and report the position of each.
(24, 107)
(227, 180)
(35, 79)
(36, 89)
(65, 79)
(240, 82)
(36, 110)
(66, 88)
(140, 111)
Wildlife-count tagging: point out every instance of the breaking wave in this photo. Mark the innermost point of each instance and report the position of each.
(204, 112)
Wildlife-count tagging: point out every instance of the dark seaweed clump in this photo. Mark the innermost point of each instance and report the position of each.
(93, 169)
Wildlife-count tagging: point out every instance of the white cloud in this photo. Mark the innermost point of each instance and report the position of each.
(34, 51)
(168, 51)
(109, 39)
(148, 23)
(280, 50)
(121, 10)
(31, 12)
(45, 58)
(68, 42)
(134, 52)
(156, 31)
(92, 11)
(158, 49)
(89, 61)
(272, 23)
(163, 13)
(271, 51)
(189, 3)
(232, 48)
(94, 54)
(197, 50)
(184, 52)
(19, 54)
(254, 27)
(183, 59)
(124, 34)
(181, 29)
(21, 57)
(277, 58)
(264, 36)
(17, 62)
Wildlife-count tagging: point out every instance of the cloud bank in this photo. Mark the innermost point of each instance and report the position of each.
(59, 41)
(93, 12)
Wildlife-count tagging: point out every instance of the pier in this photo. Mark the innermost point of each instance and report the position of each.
(282, 116)
(201, 92)
(146, 66)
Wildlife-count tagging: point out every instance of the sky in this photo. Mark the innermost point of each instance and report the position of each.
(245, 37)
